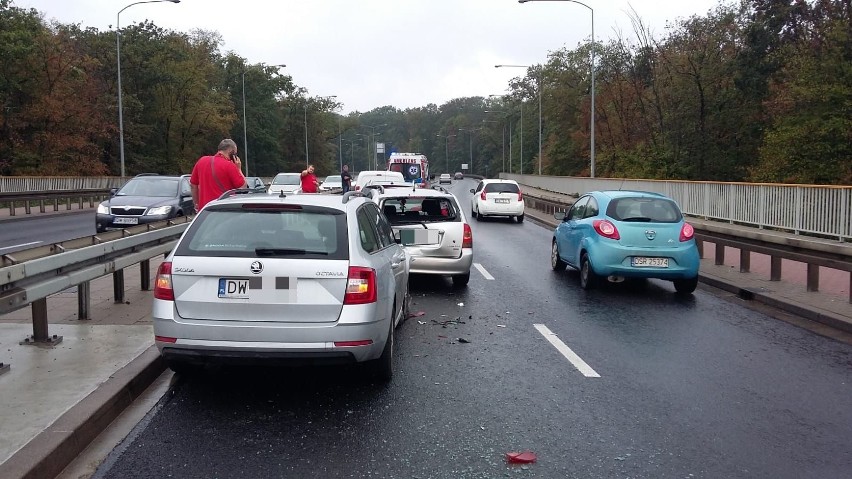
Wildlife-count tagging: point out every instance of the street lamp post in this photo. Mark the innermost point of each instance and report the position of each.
(504, 138)
(446, 149)
(118, 59)
(245, 131)
(539, 109)
(592, 68)
(470, 137)
(373, 144)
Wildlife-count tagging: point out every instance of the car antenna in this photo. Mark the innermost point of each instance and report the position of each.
(281, 194)
(622, 184)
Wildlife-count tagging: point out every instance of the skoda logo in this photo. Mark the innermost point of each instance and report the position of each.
(650, 234)
(256, 267)
(126, 208)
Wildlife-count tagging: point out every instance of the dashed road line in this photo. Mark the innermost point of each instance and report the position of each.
(570, 355)
(483, 271)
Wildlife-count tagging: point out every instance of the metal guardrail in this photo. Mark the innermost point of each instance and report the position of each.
(814, 254)
(13, 199)
(28, 277)
(22, 184)
(810, 209)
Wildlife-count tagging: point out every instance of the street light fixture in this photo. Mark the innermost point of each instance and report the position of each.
(539, 109)
(245, 133)
(592, 68)
(446, 148)
(118, 59)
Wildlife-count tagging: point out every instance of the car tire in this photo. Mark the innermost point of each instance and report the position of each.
(478, 216)
(473, 213)
(520, 218)
(588, 278)
(381, 369)
(685, 286)
(406, 309)
(461, 280)
(555, 261)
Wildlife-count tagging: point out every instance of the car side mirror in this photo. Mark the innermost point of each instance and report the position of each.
(472, 190)
(560, 215)
(113, 191)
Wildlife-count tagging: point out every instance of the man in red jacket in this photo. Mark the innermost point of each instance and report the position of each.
(309, 180)
(214, 175)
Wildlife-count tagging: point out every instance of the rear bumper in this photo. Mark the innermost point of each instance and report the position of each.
(442, 266)
(611, 259)
(202, 340)
(493, 209)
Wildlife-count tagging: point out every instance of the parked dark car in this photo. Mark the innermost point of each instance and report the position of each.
(458, 176)
(146, 198)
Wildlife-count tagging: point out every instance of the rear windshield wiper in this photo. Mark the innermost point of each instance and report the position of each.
(285, 252)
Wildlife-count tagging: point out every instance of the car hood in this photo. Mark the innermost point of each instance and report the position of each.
(146, 201)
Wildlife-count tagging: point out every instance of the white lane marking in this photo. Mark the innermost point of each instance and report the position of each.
(484, 273)
(22, 244)
(578, 362)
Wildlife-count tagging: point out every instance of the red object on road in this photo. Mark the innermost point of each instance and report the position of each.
(525, 457)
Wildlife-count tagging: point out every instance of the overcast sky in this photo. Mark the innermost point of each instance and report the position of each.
(372, 53)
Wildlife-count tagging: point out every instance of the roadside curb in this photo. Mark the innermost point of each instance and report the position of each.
(53, 449)
(26, 217)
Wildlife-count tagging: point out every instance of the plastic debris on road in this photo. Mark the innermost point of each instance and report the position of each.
(525, 457)
(461, 304)
(417, 314)
(501, 325)
(462, 340)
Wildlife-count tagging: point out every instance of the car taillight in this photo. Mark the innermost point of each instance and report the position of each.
(163, 283)
(361, 286)
(520, 196)
(686, 232)
(357, 188)
(482, 195)
(606, 229)
(467, 239)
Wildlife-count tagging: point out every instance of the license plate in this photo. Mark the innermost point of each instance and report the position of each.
(501, 200)
(419, 237)
(233, 288)
(644, 262)
(126, 221)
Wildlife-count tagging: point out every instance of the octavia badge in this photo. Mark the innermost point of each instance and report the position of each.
(650, 234)
(256, 267)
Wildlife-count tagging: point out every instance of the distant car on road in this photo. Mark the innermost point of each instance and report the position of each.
(458, 176)
(255, 183)
(497, 198)
(146, 198)
(261, 278)
(626, 234)
(287, 182)
(382, 177)
(445, 178)
(333, 182)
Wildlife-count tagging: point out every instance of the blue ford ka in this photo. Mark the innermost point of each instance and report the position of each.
(613, 235)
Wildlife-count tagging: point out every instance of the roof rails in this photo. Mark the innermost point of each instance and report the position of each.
(368, 192)
(243, 191)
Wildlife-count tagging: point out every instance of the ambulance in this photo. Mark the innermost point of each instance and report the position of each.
(413, 166)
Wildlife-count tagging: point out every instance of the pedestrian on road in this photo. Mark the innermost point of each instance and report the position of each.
(309, 180)
(216, 174)
(346, 178)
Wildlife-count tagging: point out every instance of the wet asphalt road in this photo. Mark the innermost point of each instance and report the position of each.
(34, 232)
(689, 387)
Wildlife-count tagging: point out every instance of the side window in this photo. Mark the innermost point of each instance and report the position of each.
(591, 208)
(578, 209)
(367, 231)
(184, 187)
(385, 234)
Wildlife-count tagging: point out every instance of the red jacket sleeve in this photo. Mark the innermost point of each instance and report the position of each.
(236, 177)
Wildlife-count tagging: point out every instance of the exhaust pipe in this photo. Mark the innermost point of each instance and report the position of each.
(615, 279)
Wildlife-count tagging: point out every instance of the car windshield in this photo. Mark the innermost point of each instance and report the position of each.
(151, 186)
(419, 210)
(237, 231)
(654, 210)
(501, 188)
(286, 180)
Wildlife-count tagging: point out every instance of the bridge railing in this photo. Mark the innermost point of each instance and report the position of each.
(817, 210)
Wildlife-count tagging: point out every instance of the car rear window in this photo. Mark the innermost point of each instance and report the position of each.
(401, 211)
(653, 210)
(501, 188)
(267, 231)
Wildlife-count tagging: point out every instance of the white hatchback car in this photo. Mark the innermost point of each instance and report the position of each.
(257, 277)
(432, 227)
(286, 183)
(497, 198)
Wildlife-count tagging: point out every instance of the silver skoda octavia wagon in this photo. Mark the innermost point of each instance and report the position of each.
(256, 277)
